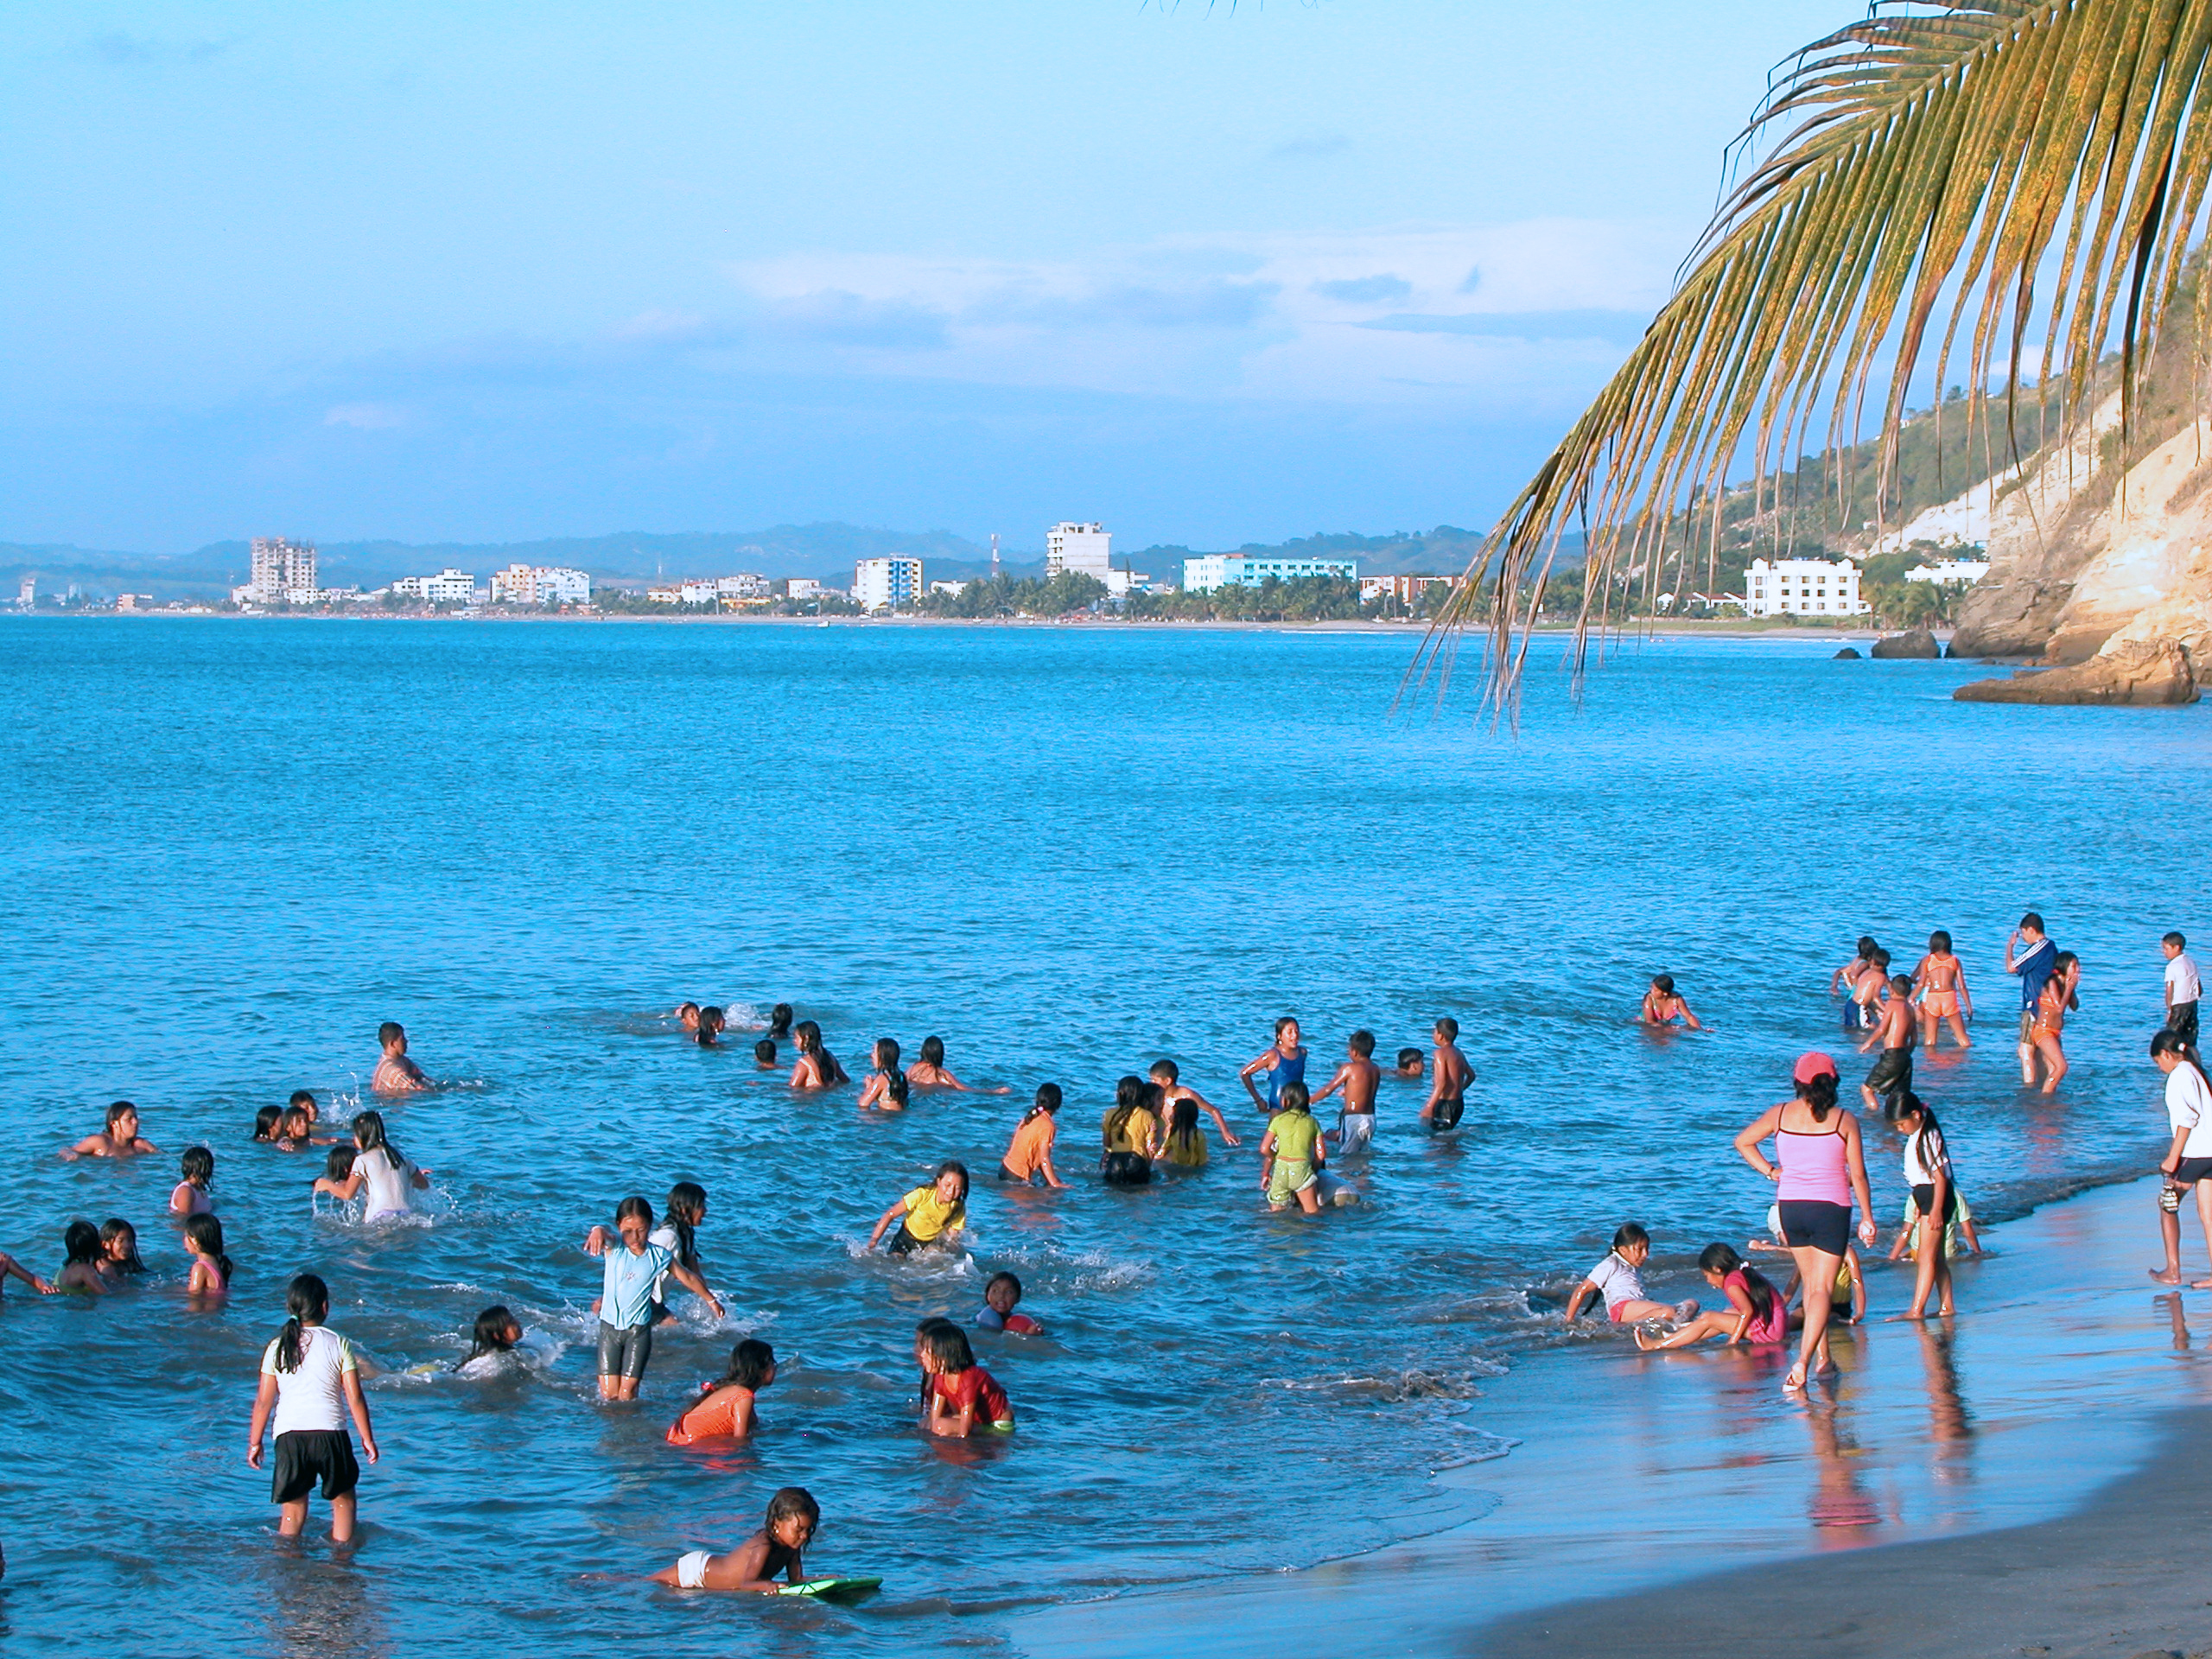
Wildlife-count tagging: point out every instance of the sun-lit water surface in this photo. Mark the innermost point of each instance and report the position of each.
(230, 849)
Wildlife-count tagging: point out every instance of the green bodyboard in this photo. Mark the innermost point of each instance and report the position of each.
(833, 1589)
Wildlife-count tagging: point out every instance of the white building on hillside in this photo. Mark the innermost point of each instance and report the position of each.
(887, 584)
(538, 584)
(1803, 588)
(449, 586)
(1211, 570)
(1086, 549)
(1966, 570)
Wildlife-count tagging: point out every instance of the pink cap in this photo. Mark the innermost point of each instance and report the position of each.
(1814, 1064)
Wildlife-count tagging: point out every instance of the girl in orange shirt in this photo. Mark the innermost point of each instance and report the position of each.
(724, 1410)
(1030, 1153)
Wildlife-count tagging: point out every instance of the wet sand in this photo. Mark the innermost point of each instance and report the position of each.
(2019, 1478)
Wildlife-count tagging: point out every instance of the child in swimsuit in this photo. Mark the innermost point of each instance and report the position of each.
(80, 1266)
(1941, 982)
(210, 1269)
(792, 1517)
(1029, 1155)
(779, 1022)
(932, 1216)
(2052, 1003)
(1356, 1077)
(1284, 1062)
(708, 1032)
(1001, 1297)
(687, 1015)
(1897, 1030)
(634, 1269)
(1754, 1312)
(817, 1067)
(1448, 1094)
(1169, 1077)
(887, 1086)
(928, 1071)
(1845, 978)
(763, 1055)
(1867, 990)
(1619, 1280)
(396, 1074)
(119, 1259)
(1291, 1154)
(1412, 1063)
(189, 1196)
(963, 1397)
(1663, 1005)
(723, 1410)
(117, 1139)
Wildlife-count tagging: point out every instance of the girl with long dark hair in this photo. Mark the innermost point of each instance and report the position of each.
(1755, 1311)
(310, 1381)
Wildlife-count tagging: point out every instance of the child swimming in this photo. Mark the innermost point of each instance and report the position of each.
(82, 1256)
(1412, 1063)
(1292, 1155)
(930, 1216)
(633, 1267)
(723, 1410)
(1356, 1077)
(1029, 1155)
(1169, 1077)
(763, 1054)
(381, 1167)
(887, 1087)
(119, 1259)
(1001, 1295)
(687, 1015)
(312, 1379)
(779, 1022)
(1663, 1005)
(1619, 1280)
(210, 1274)
(1754, 1311)
(396, 1074)
(963, 1397)
(119, 1138)
(189, 1196)
(266, 1121)
(751, 1566)
(929, 1072)
(817, 1067)
(709, 1030)
(492, 1342)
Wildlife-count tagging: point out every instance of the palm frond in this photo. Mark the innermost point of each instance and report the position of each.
(1913, 177)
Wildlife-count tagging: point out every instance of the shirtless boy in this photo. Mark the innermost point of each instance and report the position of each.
(1866, 992)
(1845, 978)
(1168, 1076)
(1447, 1092)
(1412, 1063)
(753, 1565)
(396, 1074)
(1941, 983)
(1356, 1076)
(1895, 1031)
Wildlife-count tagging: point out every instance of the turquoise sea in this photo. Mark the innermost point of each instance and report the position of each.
(228, 850)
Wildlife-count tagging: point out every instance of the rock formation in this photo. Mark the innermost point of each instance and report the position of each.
(1915, 644)
(2137, 673)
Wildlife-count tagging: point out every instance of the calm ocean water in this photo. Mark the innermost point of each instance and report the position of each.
(230, 849)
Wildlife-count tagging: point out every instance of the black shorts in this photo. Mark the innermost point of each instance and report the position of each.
(1892, 1073)
(623, 1348)
(903, 1243)
(307, 1455)
(1447, 1113)
(1126, 1169)
(1815, 1225)
(1924, 1196)
(2191, 1171)
(2181, 1020)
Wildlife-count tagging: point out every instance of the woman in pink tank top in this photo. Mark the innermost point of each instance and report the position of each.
(1818, 1167)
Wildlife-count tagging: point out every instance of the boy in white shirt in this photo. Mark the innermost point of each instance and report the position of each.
(2183, 987)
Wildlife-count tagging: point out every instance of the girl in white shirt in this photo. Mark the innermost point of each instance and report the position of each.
(1928, 1174)
(2187, 1161)
(312, 1378)
(378, 1166)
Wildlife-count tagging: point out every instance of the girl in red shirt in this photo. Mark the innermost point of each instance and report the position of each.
(963, 1397)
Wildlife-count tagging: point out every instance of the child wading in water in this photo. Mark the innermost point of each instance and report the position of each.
(1169, 1077)
(189, 1196)
(1029, 1155)
(1663, 1005)
(310, 1375)
(817, 1067)
(210, 1269)
(1755, 1311)
(1284, 1062)
(963, 1397)
(396, 1074)
(82, 1255)
(1291, 1154)
(1619, 1282)
(1941, 983)
(931, 1216)
(1928, 1174)
(887, 1087)
(1356, 1077)
(1001, 1297)
(1447, 1089)
(723, 1410)
(635, 1266)
(1845, 979)
(2188, 1162)
(928, 1071)
(1896, 1029)
(753, 1565)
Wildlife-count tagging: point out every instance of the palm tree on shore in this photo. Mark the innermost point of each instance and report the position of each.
(2012, 185)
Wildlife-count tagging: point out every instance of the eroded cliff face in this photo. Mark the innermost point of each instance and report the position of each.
(2084, 561)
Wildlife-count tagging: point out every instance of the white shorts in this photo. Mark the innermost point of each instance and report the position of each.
(1358, 1132)
(691, 1570)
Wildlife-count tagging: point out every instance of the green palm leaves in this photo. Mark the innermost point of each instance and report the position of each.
(2005, 185)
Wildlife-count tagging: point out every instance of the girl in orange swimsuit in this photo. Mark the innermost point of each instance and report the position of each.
(1941, 981)
(2058, 995)
(724, 1411)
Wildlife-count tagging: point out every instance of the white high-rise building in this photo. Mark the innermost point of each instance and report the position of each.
(283, 571)
(1803, 588)
(887, 584)
(538, 584)
(449, 586)
(27, 595)
(1087, 549)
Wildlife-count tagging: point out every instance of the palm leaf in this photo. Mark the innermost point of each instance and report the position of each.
(1913, 178)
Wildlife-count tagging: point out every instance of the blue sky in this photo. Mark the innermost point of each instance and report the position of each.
(1211, 274)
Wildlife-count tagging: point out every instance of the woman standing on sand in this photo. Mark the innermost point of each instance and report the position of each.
(1819, 1165)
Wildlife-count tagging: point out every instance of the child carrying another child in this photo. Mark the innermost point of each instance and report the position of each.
(753, 1565)
(1001, 1297)
(1619, 1281)
(723, 1410)
(1029, 1155)
(1755, 1312)
(963, 1397)
(931, 1216)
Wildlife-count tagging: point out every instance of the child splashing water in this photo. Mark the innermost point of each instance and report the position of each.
(378, 1166)
(931, 1216)
(723, 1410)
(311, 1377)
(753, 1565)
(626, 1304)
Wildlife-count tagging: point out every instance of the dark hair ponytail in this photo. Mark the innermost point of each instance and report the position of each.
(368, 1133)
(1724, 1260)
(1128, 1095)
(306, 1299)
(2172, 1042)
(1048, 1100)
(687, 1201)
(1818, 1094)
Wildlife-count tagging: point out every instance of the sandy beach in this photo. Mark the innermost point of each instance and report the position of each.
(2030, 1479)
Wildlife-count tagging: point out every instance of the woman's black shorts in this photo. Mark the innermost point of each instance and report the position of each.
(1815, 1225)
(306, 1455)
(623, 1348)
(1923, 1195)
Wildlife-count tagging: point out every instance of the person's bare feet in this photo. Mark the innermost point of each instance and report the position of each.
(1911, 1313)
(2200, 1284)
(2165, 1276)
(1645, 1340)
(1795, 1382)
(2050, 1087)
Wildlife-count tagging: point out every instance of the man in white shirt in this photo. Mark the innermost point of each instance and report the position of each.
(2183, 987)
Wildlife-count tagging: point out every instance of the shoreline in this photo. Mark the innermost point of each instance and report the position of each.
(1667, 1503)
